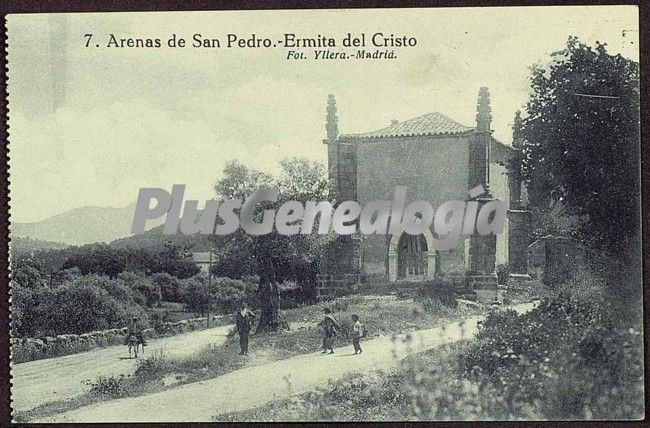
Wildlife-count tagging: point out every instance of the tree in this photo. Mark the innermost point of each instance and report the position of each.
(581, 146)
(196, 294)
(79, 305)
(110, 259)
(228, 294)
(144, 286)
(274, 257)
(169, 286)
(28, 276)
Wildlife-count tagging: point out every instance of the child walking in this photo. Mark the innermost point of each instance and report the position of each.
(358, 331)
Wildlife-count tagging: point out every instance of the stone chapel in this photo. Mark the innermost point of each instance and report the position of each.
(437, 159)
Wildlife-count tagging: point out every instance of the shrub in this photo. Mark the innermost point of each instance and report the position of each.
(83, 304)
(169, 286)
(432, 305)
(229, 294)
(111, 259)
(443, 290)
(113, 386)
(194, 292)
(224, 294)
(403, 293)
(144, 286)
(566, 355)
(153, 367)
(340, 305)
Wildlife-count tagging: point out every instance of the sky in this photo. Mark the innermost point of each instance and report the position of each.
(91, 126)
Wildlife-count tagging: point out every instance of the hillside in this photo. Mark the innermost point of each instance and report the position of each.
(81, 226)
(154, 238)
(21, 245)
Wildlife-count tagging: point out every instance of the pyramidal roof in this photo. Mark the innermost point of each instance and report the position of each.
(427, 124)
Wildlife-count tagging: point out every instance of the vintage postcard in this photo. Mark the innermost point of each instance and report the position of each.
(413, 214)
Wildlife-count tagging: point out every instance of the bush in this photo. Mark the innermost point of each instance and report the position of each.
(113, 386)
(148, 291)
(86, 303)
(229, 294)
(226, 294)
(111, 259)
(340, 305)
(443, 290)
(152, 367)
(170, 286)
(568, 356)
(432, 305)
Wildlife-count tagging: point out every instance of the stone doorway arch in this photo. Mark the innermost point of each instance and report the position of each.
(429, 255)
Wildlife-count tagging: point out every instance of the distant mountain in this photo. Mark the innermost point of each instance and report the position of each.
(154, 238)
(81, 226)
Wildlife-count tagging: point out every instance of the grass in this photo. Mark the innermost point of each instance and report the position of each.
(383, 315)
(570, 358)
(374, 395)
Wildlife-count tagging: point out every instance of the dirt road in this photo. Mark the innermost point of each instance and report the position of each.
(41, 381)
(254, 386)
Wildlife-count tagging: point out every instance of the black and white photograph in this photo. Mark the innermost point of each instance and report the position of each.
(326, 215)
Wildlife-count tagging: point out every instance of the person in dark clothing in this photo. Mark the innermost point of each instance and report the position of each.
(330, 328)
(244, 320)
(135, 329)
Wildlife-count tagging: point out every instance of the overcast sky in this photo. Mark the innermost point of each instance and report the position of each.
(91, 126)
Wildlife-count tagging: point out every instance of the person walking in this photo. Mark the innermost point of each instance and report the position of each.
(244, 320)
(358, 332)
(330, 328)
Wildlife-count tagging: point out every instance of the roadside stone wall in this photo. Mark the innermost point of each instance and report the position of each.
(29, 349)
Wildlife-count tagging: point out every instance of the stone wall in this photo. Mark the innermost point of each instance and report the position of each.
(28, 349)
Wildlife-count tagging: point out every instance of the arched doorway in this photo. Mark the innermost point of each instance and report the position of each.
(411, 257)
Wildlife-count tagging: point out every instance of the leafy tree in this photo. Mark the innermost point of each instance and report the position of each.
(29, 309)
(196, 294)
(111, 260)
(28, 276)
(169, 286)
(228, 294)
(82, 304)
(143, 286)
(273, 257)
(581, 146)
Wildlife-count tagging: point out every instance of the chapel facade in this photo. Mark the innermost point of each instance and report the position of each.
(437, 159)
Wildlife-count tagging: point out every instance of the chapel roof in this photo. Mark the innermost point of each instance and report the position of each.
(426, 125)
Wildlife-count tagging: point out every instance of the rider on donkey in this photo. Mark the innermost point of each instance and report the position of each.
(135, 329)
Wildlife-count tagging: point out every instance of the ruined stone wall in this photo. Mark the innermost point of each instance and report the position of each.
(28, 349)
